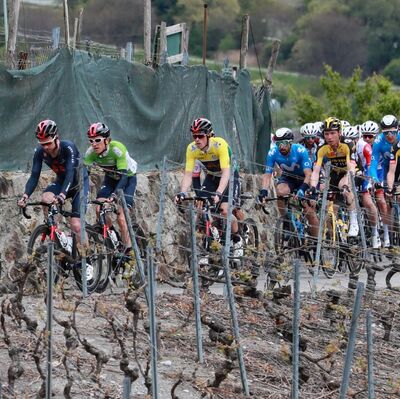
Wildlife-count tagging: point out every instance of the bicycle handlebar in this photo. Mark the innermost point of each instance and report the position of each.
(102, 204)
(41, 203)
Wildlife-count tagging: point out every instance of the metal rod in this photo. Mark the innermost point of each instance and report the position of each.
(352, 339)
(196, 291)
(49, 323)
(160, 216)
(82, 215)
(359, 220)
(126, 393)
(370, 351)
(296, 321)
(129, 51)
(205, 33)
(227, 271)
(153, 321)
(135, 245)
(321, 226)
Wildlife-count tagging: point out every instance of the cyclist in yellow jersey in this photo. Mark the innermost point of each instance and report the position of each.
(339, 154)
(215, 156)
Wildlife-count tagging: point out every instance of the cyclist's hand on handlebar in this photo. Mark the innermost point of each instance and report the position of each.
(311, 193)
(179, 198)
(263, 195)
(217, 197)
(59, 199)
(22, 202)
(112, 198)
(301, 192)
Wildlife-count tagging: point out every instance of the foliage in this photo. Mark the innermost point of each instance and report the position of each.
(348, 98)
(392, 71)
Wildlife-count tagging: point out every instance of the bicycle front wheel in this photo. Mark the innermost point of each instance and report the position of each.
(38, 255)
(329, 248)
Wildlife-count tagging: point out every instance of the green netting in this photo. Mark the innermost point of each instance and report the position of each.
(150, 111)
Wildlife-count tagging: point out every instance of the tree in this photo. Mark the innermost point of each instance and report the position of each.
(392, 71)
(348, 98)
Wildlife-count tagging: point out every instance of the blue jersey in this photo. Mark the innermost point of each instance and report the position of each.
(64, 165)
(294, 163)
(381, 153)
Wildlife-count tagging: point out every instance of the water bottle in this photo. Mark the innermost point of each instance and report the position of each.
(63, 239)
(113, 236)
(215, 233)
(69, 243)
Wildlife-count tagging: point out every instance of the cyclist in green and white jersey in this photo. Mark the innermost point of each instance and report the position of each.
(120, 171)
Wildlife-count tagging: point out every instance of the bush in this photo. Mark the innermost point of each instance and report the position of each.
(392, 71)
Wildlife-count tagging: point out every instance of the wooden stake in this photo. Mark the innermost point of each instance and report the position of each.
(244, 46)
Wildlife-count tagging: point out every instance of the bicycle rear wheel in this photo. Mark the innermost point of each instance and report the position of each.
(38, 254)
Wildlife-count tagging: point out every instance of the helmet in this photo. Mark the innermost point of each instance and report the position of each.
(201, 125)
(350, 132)
(332, 123)
(389, 121)
(345, 123)
(98, 129)
(309, 130)
(46, 128)
(283, 134)
(369, 127)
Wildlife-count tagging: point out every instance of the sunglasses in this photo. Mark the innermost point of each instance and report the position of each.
(309, 137)
(282, 143)
(368, 136)
(198, 136)
(390, 132)
(46, 143)
(97, 141)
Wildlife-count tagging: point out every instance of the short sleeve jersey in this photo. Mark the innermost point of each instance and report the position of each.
(216, 158)
(338, 158)
(295, 162)
(115, 159)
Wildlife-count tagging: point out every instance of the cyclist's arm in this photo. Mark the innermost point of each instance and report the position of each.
(122, 181)
(391, 174)
(373, 169)
(35, 173)
(266, 181)
(223, 182)
(307, 176)
(314, 179)
(70, 166)
(186, 181)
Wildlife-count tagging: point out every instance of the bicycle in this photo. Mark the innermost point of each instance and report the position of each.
(211, 236)
(116, 261)
(66, 256)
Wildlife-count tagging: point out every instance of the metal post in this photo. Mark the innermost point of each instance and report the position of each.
(132, 236)
(196, 291)
(359, 220)
(370, 351)
(321, 226)
(126, 393)
(49, 325)
(55, 34)
(129, 51)
(153, 321)
(5, 12)
(244, 45)
(296, 320)
(352, 339)
(160, 217)
(227, 271)
(205, 34)
(147, 31)
(82, 214)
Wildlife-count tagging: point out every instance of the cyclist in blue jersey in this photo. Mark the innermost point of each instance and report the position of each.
(62, 157)
(295, 164)
(381, 155)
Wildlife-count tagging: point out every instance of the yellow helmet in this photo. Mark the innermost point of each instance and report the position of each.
(332, 123)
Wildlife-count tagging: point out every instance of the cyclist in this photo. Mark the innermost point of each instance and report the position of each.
(62, 156)
(120, 172)
(309, 134)
(339, 154)
(295, 164)
(214, 154)
(381, 155)
(368, 131)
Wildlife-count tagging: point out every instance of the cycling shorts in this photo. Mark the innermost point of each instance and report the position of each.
(210, 186)
(294, 182)
(108, 186)
(73, 193)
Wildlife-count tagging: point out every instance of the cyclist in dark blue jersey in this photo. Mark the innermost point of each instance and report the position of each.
(62, 157)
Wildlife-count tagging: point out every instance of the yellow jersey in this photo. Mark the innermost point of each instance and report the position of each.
(338, 158)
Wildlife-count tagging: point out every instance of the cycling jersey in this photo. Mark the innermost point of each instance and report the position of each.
(293, 163)
(214, 159)
(64, 165)
(115, 159)
(312, 152)
(381, 155)
(364, 154)
(338, 158)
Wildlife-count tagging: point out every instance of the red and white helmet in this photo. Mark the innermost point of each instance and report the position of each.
(98, 129)
(202, 126)
(46, 128)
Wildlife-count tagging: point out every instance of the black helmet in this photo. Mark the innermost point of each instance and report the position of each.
(201, 125)
(283, 133)
(332, 123)
(46, 128)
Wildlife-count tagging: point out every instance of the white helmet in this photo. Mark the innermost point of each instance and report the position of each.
(389, 121)
(345, 123)
(369, 127)
(350, 132)
(283, 133)
(308, 130)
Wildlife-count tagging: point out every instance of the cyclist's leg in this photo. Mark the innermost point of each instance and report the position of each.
(344, 186)
(372, 215)
(49, 193)
(284, 187)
